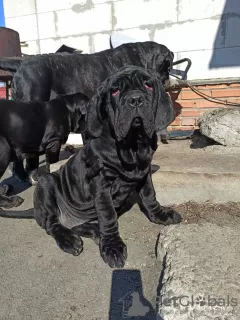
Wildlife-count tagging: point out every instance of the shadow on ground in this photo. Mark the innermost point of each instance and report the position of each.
(127, 297)
(19, 187)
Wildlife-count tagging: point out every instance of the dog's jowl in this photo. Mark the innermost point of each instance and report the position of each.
(112, 172)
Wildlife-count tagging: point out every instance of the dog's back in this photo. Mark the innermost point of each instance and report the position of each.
(70, 73)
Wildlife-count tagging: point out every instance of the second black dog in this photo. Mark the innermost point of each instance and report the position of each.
(31, 129)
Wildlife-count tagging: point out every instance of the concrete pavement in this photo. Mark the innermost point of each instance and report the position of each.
(40, 282)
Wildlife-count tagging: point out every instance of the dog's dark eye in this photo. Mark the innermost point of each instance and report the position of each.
(115, 91)
(148, 85)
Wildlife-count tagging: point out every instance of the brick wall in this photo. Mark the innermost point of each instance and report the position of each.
(189, 105)
(2, 93)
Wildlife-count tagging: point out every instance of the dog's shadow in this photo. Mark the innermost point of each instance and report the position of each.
(19, 187)
(127, 298)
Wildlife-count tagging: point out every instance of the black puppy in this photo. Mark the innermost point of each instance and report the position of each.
(112, 172)
(37, 78)
(31, 129)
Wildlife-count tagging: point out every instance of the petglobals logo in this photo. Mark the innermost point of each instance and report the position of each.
(201, 301)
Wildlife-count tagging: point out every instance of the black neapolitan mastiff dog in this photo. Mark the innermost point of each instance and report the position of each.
(37, 78)
(86, 196)
(31, 129)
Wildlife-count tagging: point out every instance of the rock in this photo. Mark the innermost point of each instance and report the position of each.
(201, 268)
(222, 125)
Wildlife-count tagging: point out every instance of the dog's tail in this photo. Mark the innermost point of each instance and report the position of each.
(24, 214)
(10, 64)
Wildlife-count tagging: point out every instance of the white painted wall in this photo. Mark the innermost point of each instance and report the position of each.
(206, 31)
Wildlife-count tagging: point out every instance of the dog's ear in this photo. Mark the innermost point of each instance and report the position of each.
(77, 106)
(76, 102)
(165, 113)
(80, 115)
(166, 66)
(94, 119)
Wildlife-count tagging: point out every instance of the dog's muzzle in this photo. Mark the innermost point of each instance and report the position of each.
(135, 115)
(137, 123)
(136, 101)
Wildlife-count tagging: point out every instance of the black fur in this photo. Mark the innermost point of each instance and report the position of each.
(31, 129)
(112, 172)
(41, 77)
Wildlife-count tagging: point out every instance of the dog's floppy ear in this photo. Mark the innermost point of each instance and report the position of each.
(75, 102)
(165, 113)
(166, 66)
(94, 119)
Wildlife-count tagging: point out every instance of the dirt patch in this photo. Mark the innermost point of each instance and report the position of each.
(220, 214)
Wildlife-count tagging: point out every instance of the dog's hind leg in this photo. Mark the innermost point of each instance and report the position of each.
(13, 201)
(88, 230)
(46, 212)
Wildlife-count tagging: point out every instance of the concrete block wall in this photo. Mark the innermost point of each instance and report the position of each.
(206, 31)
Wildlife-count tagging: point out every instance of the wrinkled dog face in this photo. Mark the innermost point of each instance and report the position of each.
(131, 99)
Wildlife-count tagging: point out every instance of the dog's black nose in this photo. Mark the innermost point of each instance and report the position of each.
(136, 101)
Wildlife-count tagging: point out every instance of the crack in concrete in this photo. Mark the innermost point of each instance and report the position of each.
(161, 284)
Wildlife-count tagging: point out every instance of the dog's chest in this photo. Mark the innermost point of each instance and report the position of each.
(121, 190)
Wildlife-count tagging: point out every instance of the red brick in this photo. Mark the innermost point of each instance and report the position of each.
(171, 128)
(188, 127)
(2, 93)
(226, 93)
(191, 113)
(234, 85)
(192, 95)
(188, 122)
(184, 104)
(203, 103)
(176, 122)
(215, 86)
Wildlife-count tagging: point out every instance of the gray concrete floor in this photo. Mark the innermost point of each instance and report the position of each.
(40, 282)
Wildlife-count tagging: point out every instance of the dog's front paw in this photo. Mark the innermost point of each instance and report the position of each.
(166, 216)
(113, 252)
(68, 241)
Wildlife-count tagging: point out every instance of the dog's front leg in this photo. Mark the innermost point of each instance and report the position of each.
(52, 153)
(112, 248)
(32, 165)
(151, 207)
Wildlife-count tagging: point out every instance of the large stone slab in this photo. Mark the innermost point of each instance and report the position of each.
(222, 125)
(201, 274)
